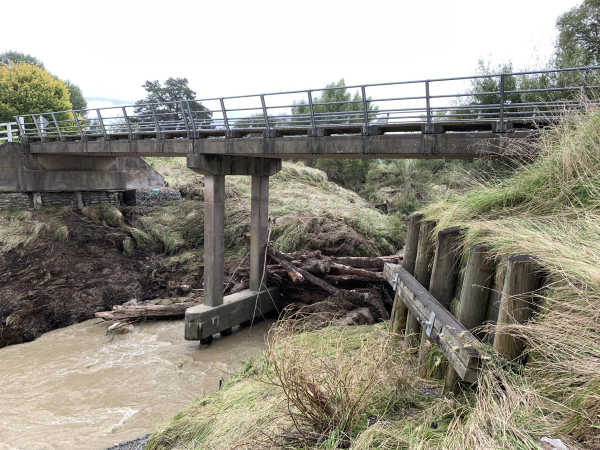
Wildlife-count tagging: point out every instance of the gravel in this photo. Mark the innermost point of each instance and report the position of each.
(136, 444)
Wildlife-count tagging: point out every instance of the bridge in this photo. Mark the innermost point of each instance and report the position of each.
(250, 135)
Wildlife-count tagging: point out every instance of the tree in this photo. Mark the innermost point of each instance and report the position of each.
(578, 42)
(330, 103)
(76, 96)
(169, 98)
(337, 106)
(27, 89)
(11, 57)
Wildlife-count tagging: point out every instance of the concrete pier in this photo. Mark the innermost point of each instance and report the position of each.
(259, 230)
(214, 247)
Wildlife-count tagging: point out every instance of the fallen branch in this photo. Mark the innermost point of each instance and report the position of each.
(122, 312)
(299, 273)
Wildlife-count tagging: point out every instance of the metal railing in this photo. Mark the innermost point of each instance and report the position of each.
(541, 95)
(9, 131)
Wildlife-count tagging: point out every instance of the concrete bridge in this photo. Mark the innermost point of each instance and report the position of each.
(250, 135)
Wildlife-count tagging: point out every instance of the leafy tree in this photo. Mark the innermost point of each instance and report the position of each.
(10, 58)
(578, 41)
(170, 95)
(27, 89)
(349, 173)
(76, 96)
(329, 104)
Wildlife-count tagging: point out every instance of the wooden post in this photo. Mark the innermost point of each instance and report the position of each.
(398, 316)
(399, 310)
(425, 250)
(474, 298)
(412, 243)
(520, 284)
(443, 280)
(422, 274)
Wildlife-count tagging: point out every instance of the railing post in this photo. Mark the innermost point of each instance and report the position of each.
(264, 108)
(21, 125)
(9, 132)
(501, 126)
(78, 125)
(102, 124)
(57, 127)
(127, 122)
(367, 127)
(312, 114)
(187, 125)
(585, 89)
(194, 134)
(37, 126)
(158, 132)
(429, 124)
(228, 130)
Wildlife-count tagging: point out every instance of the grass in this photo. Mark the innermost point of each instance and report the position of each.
(550, 208)
(319, 388)
(307, 212)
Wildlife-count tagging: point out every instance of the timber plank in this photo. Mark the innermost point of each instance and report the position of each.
(455, 341)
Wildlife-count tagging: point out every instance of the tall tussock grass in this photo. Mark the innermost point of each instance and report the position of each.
(320, 389)
(550, 208)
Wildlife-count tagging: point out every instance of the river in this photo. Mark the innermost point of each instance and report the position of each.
(76, 388)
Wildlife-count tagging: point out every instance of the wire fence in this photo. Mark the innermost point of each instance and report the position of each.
(522, 96)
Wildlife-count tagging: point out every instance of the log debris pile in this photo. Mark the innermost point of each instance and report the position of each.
(323, 290)
(326, 290)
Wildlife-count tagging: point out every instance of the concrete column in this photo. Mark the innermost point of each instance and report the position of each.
(79, 196)
(259, 228)
(214, 228)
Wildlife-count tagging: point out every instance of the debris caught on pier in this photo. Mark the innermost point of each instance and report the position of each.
(325, 290)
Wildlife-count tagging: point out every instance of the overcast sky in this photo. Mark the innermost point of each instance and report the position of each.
(110, 48)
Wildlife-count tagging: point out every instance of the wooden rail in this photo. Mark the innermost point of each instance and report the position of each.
(454, 340)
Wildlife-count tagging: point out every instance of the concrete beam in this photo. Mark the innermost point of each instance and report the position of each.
(203, 321)
(214, 239)
(232, 165)
(452, 145)
(259, 229)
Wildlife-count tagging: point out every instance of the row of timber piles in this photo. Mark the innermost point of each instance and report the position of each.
(490, 295)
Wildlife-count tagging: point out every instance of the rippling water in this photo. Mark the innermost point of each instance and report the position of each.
(74, 388)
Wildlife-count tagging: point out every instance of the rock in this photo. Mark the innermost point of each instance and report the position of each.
(185, 288)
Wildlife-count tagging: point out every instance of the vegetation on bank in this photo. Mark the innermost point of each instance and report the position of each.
(304, 393)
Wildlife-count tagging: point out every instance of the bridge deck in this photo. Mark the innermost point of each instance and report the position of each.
(451, 139)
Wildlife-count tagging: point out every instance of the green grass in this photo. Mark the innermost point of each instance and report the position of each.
(550, 208)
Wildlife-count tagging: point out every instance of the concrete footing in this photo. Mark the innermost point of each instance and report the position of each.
(203, 321)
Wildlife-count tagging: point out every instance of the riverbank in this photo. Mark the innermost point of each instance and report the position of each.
(59, 266)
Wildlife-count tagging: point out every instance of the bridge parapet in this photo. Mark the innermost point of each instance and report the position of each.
(428, 106)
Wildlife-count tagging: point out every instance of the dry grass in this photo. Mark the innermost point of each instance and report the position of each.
(317, 389)
(551, 209)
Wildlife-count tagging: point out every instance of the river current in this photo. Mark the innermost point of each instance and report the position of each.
(76, 388)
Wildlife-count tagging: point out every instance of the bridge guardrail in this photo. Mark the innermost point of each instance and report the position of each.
(540, 96)
(9, 131)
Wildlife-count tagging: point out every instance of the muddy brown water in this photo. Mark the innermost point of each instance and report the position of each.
(74, 388)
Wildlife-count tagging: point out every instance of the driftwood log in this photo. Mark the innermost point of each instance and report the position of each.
(124, 312)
